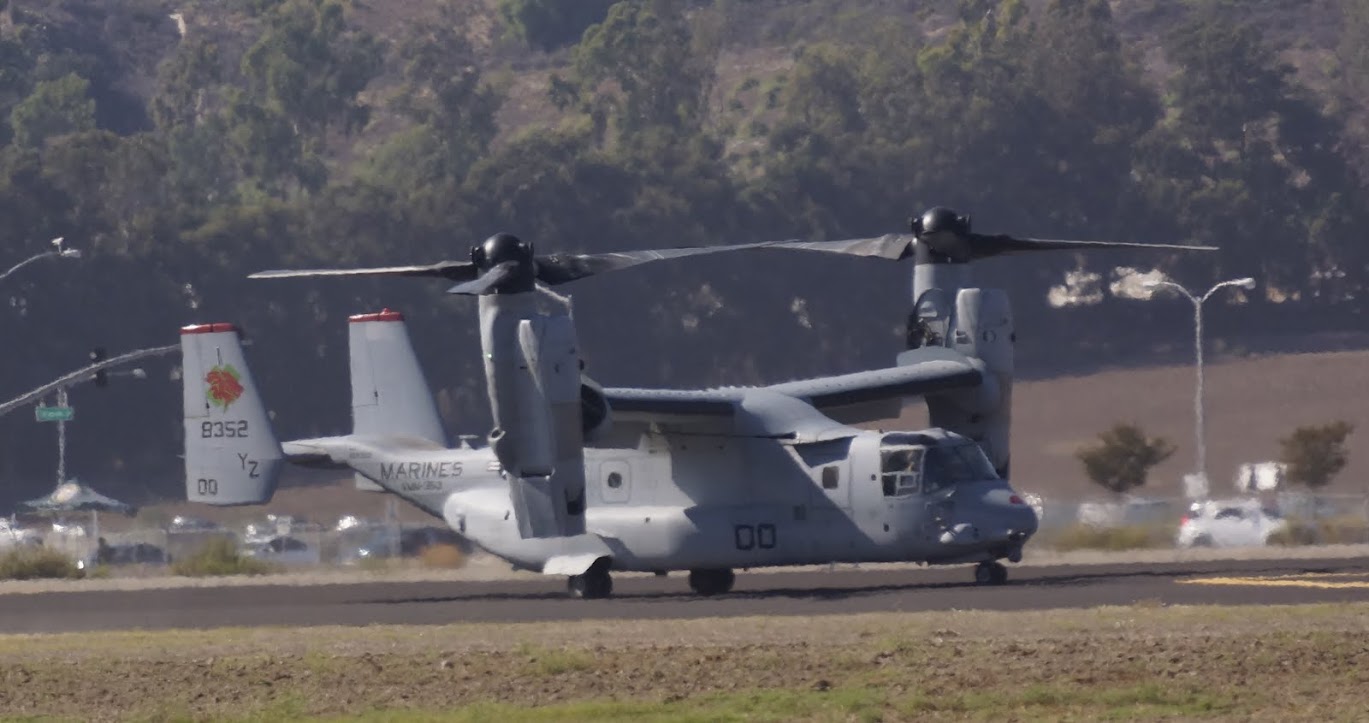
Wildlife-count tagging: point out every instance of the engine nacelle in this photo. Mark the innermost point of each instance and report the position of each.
(982, 329)
(596, 416)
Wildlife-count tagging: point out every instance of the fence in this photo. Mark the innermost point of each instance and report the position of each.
(288, 545)
(1055, 514)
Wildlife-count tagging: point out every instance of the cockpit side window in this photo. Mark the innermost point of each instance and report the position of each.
(900, 470)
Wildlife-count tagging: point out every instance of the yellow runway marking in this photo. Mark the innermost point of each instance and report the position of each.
(1310, 580)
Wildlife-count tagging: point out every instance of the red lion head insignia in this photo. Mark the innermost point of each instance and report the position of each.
(224, 386)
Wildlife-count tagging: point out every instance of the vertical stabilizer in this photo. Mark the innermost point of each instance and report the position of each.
(390, 396)
(231, 453)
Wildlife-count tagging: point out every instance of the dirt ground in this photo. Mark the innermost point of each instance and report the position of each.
(1303, 663)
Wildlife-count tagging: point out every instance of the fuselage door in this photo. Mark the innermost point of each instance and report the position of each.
(615, 482)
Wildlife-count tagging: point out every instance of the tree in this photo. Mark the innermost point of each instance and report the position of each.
(1123, 457)
(643, 68)
(551, 24)
(304, 77)
(56, 107)
(453, 109)
(1315, 454)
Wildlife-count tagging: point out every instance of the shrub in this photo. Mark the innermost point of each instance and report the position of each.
(1344, 530)
(1294, 535)
(1122, 537)
(446, 557)
(219, 556)
(1314, 455)
(1123, 457)
(32, 563)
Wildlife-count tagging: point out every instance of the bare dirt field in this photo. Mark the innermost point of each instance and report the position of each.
(1298, 663)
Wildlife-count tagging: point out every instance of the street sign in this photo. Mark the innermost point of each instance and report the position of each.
(54, 414)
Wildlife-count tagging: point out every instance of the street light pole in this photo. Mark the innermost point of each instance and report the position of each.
(58, 252)
(1199, 421)
(61, 439)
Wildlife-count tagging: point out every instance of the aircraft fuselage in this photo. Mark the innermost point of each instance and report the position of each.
(677, 502)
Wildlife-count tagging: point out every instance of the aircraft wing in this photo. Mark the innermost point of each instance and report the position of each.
(921, 371)
(859, 396)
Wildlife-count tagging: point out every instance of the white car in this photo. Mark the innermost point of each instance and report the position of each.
(1229, 523)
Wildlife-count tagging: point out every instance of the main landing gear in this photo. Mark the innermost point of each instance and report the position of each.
(711, 581)
(596, 583)
(990, 573)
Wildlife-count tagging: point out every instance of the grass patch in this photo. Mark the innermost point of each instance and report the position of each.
(1123, 537)
(1114, 663)
(35, 563)
(819, 702)
(219, 557)
(542, 662)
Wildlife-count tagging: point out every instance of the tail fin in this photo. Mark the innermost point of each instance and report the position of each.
(231, 453)
(389, 394)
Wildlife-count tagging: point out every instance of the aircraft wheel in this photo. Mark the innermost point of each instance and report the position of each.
(712, 582)
(596, 583)
(990, 573)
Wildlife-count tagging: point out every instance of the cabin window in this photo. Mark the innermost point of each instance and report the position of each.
(901, 470)
(615, 480)
(831, 477)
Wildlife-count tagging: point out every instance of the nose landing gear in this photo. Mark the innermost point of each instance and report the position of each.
(990, 573)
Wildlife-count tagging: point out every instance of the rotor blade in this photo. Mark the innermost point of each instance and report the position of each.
(487, 281)
(984, 246)
(453, 270)
(892, 246)
(559, 268)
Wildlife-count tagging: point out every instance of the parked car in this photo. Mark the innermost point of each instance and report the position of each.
(379, 543)
(13, 536)
(1229, 523)
(134, 553)
(285, 550)
(185, 523)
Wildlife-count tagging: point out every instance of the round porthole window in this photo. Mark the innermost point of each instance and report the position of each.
(615, 480)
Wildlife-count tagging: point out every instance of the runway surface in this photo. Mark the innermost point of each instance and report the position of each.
(1247, 582)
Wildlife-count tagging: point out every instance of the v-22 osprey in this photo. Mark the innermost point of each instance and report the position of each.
(581, 480)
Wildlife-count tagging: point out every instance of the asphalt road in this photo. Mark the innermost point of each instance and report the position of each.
(1252, 582)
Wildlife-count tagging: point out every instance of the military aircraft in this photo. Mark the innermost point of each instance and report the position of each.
(580, 480)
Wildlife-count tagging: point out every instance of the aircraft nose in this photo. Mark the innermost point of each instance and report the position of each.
(1015, 518)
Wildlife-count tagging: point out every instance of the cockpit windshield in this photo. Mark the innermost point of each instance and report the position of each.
(910, 464)
(952, 464)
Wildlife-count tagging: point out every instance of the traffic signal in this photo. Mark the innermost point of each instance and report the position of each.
(97, 355)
